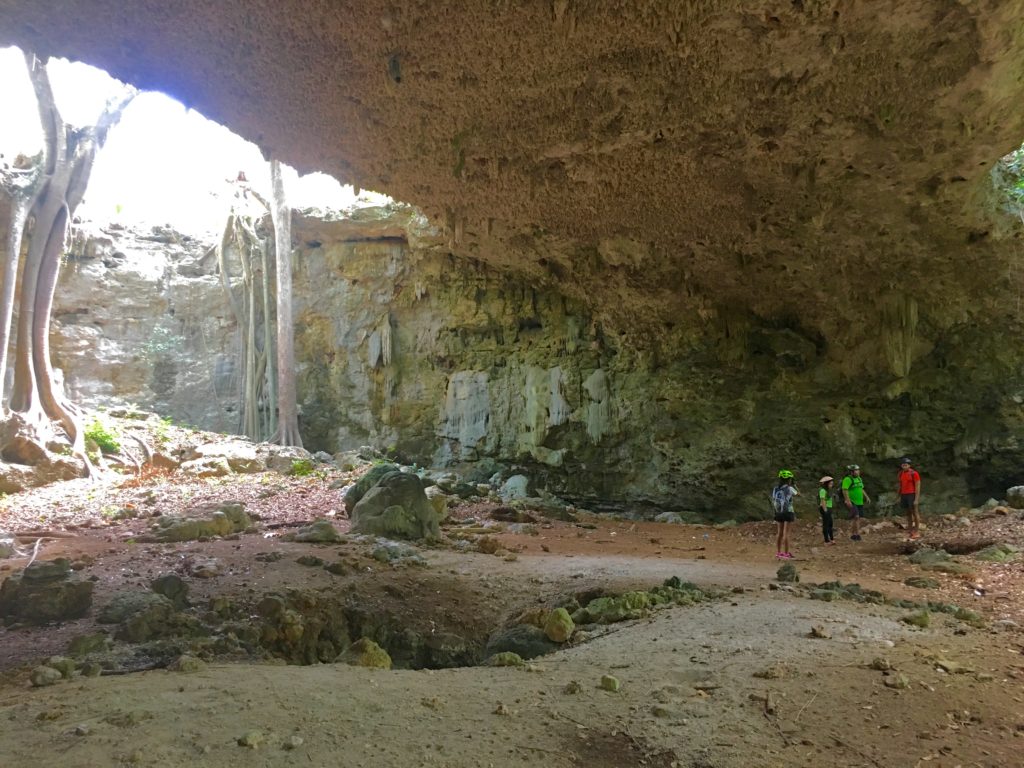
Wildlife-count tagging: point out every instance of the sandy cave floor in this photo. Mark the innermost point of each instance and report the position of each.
(690, 695)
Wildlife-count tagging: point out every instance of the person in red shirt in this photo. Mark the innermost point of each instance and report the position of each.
(908, 483)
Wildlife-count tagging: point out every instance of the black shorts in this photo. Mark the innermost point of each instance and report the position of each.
(855, 510)
(907, 500)
(785, 517)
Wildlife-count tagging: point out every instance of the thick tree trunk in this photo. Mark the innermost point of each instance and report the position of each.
(67, 162)
(287, 409)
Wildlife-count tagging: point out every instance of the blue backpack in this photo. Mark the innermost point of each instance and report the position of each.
(780, 498)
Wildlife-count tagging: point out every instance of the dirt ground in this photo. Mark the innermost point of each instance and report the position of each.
(738, 681)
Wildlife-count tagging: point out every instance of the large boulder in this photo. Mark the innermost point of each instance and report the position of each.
(365, 483)
(205, 521)
(44, 592)
(525, 640)
(1015, 496)
(398, 507)
(240, 457)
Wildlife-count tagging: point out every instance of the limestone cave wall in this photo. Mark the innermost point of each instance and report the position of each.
(448, 361)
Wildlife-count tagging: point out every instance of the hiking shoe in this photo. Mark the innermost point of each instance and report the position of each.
(856, 537)
(914, 536)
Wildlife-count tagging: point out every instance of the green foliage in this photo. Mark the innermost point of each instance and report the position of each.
(161, 432)
(302, 468)
(161, 342)
(104, 436)
(1008, 176)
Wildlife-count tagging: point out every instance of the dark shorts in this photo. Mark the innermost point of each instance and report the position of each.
(907, 500)
(855, 510)
(785, 517)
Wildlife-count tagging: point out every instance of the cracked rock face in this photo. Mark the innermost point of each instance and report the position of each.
(771, 231)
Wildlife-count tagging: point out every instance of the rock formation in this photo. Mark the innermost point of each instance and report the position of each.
(678, 244)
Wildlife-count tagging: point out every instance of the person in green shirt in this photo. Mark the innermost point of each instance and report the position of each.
(855, 497)
(825, 508)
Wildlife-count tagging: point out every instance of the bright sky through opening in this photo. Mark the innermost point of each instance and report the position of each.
(163, 164)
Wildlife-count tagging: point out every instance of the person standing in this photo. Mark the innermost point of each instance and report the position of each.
(825, 508)
(854, 496)
(782, 503)
(908, 486)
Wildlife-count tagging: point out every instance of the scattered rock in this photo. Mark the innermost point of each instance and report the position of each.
(43, 676)
(559, 625)
(203, 567)
(338, 568)
(396, 507)
(205, 521)
(239, 457)
(928, 556)
(269, 557)
(124, 605)
(881, 664)
(525, 640)
(355, 494)
(439, 501)
(827, 595)
(292, 742)
(997, 553)
(44, 592)
(62, 664)
(516, 487)
(572, 688)
(921, 582)
(309, 560)
(610, 683)
(787, 573)
(1015, 496)
(896, 680)
(173, 588)
(186, 664)
(319, 532)
(776, 671)
(952, 667)
(251, 739)
(365, 653)
(820, 632)
(488, 545)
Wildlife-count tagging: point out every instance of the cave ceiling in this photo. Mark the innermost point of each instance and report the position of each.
(661, 159)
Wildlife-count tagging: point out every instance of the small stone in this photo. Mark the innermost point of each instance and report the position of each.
(251, 739)
(91, 669)
(293, 742)
(952, 667)
(365, 653)
(338, 569)
(896, 680)
(774, 672)
(83, 645)
(559, 626)
(502, 710)
(921, 582)
(659, 710)
(62, 664)
(787, 574)
(820, 632)
(42, 676)
(572, 688)
(881, 663)
(610, 683)
(310, 560)
(82, 730)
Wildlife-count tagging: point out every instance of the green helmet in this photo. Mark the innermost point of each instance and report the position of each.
(785, 474)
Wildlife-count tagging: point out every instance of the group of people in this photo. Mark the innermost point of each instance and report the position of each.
(852, 494)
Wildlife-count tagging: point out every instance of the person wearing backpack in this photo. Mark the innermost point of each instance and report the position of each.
(854, 497)
(825, 508)
(782, 504)
(908, 483)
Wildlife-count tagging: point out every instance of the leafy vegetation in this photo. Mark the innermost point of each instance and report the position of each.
(105, 436)
(1009, 180)
(302, 468)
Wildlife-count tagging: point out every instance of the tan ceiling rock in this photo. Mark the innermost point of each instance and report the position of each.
(664, 159)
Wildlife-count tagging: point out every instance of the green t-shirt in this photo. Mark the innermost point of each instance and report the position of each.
(855, 487)
(825, 496)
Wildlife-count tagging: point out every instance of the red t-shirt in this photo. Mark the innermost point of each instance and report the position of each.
(908, 480)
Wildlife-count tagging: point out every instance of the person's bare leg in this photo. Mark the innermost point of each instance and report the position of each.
(785, 537)
(778, 538)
